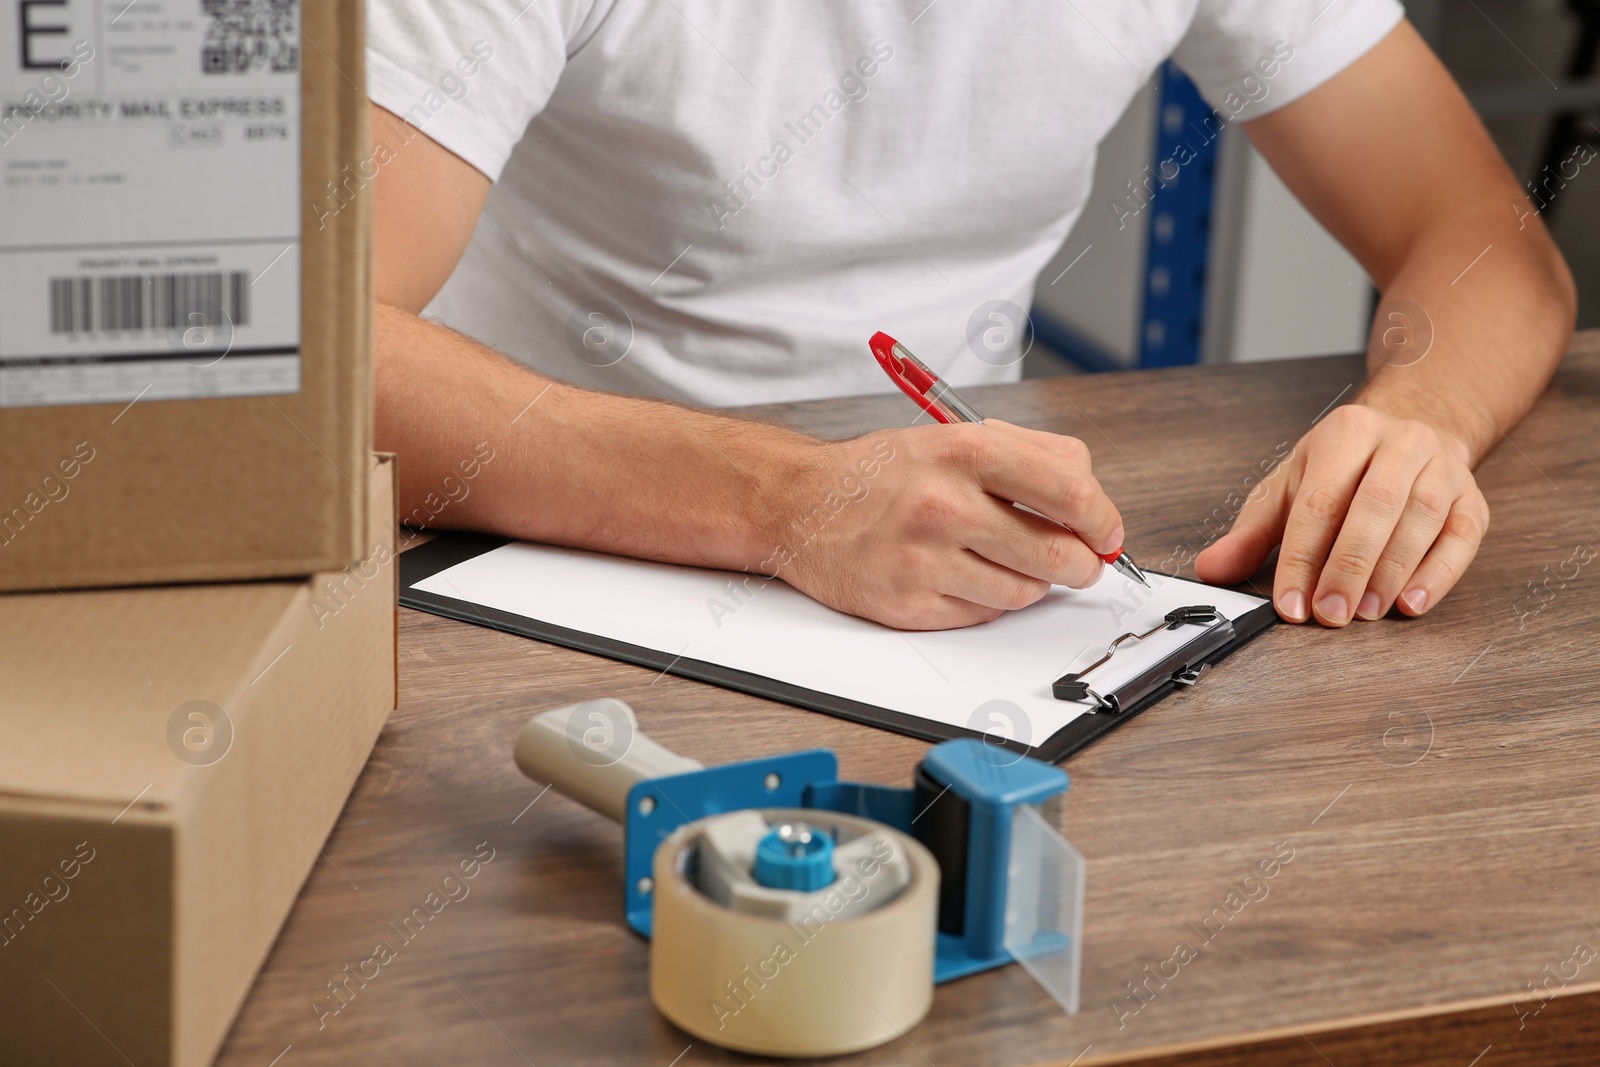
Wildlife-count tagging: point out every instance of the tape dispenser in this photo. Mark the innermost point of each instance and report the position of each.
(792, 914)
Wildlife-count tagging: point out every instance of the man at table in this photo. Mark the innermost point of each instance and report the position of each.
(651, 205)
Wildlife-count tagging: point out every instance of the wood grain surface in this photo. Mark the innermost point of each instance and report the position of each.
(1435, 780)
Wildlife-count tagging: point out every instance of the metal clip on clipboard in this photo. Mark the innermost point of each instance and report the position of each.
(1183, 667)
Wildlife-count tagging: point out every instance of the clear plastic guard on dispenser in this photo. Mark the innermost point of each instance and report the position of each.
(1044, 906)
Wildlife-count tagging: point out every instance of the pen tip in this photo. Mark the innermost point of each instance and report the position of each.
(1127, 566)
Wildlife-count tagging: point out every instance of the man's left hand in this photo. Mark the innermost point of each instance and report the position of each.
(1373, 512)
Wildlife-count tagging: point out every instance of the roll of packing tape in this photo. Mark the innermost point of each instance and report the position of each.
(786, 973)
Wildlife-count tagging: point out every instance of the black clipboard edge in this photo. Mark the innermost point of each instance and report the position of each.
(425, 560)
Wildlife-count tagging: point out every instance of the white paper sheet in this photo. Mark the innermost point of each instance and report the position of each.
(993, 678)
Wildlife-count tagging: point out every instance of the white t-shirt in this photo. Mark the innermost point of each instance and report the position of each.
(721, 201)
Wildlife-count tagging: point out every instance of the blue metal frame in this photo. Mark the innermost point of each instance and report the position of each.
(1178, 241)
(993, 781)
(658, 806)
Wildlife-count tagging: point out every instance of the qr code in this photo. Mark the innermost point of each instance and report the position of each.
(244, 36)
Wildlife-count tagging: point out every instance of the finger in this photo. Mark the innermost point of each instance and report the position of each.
(1069, 449)
(1239, 553)
(1380, 500)
(1434, 493)
(1315, 515)
(968, 576)
(1447, 560)
(1017, 470)
(1033, 546)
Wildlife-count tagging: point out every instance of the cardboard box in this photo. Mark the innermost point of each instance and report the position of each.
(153, 844)
(260, 471)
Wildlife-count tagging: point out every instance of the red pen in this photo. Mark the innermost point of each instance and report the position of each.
(934, 396)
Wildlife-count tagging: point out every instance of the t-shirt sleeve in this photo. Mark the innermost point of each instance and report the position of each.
(1250, 57)
(470, 74)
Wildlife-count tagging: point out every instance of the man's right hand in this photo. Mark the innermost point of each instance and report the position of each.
(915, 528)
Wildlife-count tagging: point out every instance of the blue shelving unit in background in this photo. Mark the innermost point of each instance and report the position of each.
(1179, 240)
(1177, 244)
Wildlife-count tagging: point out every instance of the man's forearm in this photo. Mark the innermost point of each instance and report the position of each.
(1497, 307)
(909, 527)
(568, 466)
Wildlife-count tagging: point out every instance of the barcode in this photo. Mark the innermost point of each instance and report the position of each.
(249, 35)
(155, 302)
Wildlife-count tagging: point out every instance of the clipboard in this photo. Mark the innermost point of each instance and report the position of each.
(1183, 665)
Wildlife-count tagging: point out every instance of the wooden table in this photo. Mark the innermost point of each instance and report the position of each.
(1436, 781)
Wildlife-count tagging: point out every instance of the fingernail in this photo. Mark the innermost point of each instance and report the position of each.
(1114, 543)
(1368, 608)
(1335, 608)
(1293, 605)
(1416, 599)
